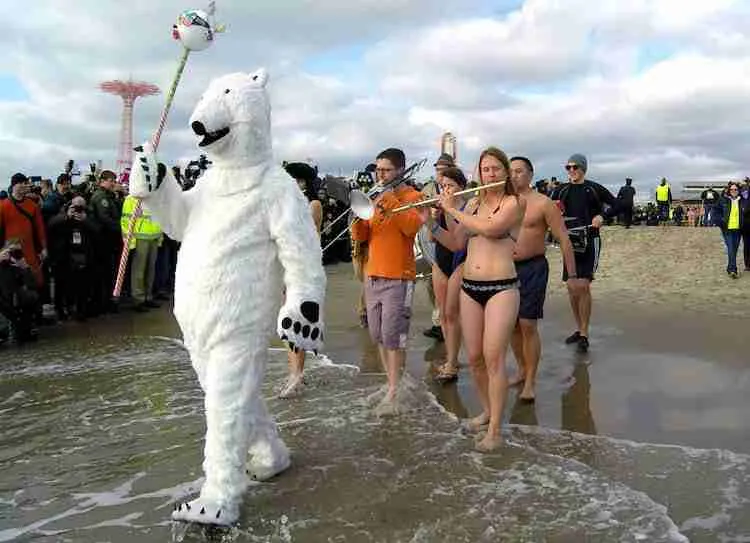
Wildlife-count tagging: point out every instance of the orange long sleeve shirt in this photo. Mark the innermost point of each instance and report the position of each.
(390, 238)
(13, 224)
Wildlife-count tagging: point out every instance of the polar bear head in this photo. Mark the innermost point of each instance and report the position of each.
(233, 119)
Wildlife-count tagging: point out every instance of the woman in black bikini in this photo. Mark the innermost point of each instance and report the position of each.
(489, 289)
(450, 254)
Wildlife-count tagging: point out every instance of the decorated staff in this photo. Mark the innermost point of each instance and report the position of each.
(195, 31)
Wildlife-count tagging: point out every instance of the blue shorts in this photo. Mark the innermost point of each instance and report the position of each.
(533, 274)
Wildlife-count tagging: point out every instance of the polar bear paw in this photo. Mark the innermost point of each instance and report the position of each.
(299, 324)
(147, 174)
(261, 471)
(205, 512)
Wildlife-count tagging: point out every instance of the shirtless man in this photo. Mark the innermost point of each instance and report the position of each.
(533, 272)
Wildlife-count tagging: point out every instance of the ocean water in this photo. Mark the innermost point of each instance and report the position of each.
(99, 442)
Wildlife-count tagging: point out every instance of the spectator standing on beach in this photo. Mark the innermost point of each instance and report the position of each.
(21, 219)
(19, 299)
(106, 213)
(625, 199)
(663, 200)
(709, 199)
(731, 212)
(588, 204)
(72, 240)
(54, 200)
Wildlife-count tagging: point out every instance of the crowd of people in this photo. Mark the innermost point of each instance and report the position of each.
(60, 247)
(490, 274)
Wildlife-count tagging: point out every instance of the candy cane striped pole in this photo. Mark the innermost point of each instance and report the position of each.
(155, 144)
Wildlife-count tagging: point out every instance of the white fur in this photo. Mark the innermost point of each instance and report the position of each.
(246, 231)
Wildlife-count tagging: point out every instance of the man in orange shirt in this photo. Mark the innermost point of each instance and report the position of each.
(391, 269)
(21, 219)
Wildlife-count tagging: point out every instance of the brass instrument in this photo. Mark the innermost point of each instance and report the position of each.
(360, 203)
(433, 201)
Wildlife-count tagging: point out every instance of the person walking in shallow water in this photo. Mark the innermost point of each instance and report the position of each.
(489, 290)
(533, 273)
(390, 270)
(587, 203)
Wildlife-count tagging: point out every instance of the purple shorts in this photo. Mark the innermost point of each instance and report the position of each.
(389, 310)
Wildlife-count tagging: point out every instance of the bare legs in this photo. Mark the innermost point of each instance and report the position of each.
(296, 363)
(580, 304)
(446, 296)
(487, 334)
(527, 349)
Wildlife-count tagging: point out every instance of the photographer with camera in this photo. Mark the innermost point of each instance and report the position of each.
(72, 252)
(21, 219)
(19, 300)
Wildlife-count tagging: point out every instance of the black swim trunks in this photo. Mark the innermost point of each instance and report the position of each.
(588, 261)
(533, 274)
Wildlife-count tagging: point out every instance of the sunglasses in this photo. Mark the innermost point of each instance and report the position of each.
(571, 167)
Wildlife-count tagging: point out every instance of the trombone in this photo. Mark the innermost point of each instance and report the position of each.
(361, 202)
(360, 196)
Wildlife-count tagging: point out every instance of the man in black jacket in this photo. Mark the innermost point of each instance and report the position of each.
(587, 204)
(72, 239)
(625, 199)
(105, 214)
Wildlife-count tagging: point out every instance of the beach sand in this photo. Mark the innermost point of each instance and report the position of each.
(671, 268)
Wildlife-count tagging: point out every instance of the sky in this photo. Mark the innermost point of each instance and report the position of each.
(643, 88)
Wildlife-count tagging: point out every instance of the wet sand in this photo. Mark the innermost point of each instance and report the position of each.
(677, 269)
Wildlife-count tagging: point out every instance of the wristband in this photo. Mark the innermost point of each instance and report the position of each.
(572, 276)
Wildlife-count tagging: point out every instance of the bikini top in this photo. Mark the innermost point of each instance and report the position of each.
(505, 234)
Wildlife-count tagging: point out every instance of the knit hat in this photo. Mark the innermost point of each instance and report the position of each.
(579, 160)
(445, 160)
(17, 179)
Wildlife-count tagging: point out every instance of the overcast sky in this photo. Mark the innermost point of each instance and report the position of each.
(644, 88)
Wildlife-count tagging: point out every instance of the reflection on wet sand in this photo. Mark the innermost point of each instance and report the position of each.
(576, 403)
(523, 413)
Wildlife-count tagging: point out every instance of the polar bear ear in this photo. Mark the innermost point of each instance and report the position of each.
(259, 77)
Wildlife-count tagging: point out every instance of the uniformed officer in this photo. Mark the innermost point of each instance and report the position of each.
(105, 213)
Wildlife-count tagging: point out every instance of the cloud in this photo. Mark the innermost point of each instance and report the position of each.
(645, 88)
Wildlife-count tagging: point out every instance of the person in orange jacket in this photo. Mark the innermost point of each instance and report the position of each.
(21, 219)
(391, 269)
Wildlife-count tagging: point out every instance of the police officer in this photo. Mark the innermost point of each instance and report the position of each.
(106, 213)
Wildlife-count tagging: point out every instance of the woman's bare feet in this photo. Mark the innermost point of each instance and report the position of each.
(527, 394)
(447, 372)
(489, 443)
(475, 424)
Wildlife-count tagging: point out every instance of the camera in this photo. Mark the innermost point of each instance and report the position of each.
(16, 254)
(78, 209)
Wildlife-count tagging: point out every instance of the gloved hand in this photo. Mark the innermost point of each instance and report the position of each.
(300, 324)
(147, 173)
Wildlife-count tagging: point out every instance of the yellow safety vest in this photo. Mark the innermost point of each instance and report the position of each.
(734, 215)
(662, 193)
(145, 227)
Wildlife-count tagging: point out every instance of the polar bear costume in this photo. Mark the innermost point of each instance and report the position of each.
(246, 233)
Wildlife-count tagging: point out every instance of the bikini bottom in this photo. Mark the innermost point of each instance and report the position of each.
(482, 291)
